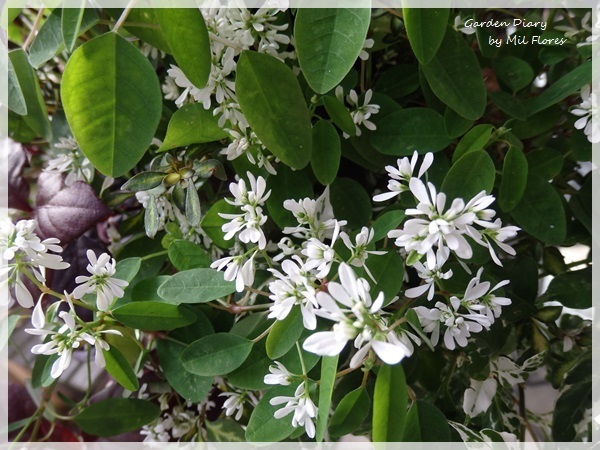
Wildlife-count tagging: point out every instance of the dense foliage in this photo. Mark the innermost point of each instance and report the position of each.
(299, 224)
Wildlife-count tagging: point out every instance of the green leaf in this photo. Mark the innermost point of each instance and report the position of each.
(569, 410)
(271, 99)
(476, 139)
(7, 326)
(326, 153)
(571, 289)
(546, 163)
(187, 38)
(70, 24)
(339, 114)
(398, 81)
(16, 100)
(193, 213)
(49, 40)
(328, 371)
(425, 29)
(151, 218)
(454, 124)
(287, 184)
(145, 26)
(216, 354)
(388, 272)
(350, 413)
(410, 129)
(455, 77)
(471, 174)
(211, 223)
(263, 426)
(192, 124)
(328, 42)
(118, 367)
(224, 430)
(284, 334)
(147, 289)
(153, 316)
(389, 404)
(425, 423)
(514, 179)
(195, 286)
(185, 255)
(386, 222)
(37, 117)
(144, 181)
(559, 90)
(127, 269)
(350, 201)
(514, 72)
(115, 416)
(540, 212)
(535, 124)
(509, 104)
(40, 375)
(113, 102)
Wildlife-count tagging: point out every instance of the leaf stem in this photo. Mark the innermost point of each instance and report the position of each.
(154, 255)
(34, 28)
(124, 15)
(301, 359)
(263, 334)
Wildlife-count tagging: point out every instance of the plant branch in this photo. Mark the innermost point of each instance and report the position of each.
(124, 15)
(34, 28)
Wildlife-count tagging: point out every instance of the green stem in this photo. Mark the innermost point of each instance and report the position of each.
(263, 334)
(304, 372)
(154, 255)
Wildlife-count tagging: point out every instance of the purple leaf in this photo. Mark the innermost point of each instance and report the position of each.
(66, 212)
(18, 187)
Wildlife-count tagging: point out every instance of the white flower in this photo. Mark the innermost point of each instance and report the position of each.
(496, 233)
(301, 405)
(170, 88)
(315, 217)
(243, 274)
(430, 273)
(478, 397)
(70, 161)
(361, 114)
(364, 55)
(587, 110)
(101, 282)
(359, 249)
(399, 177)
(320, 256)
(279, 375)
(478, 299)
(234, 404)
(459, 25)
(293, 287)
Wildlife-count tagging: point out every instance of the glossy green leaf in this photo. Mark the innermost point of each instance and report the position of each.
(350, 201)
(187, 38)
(425, 423)
(216, 354)
(113, 102)
(144, 181)
(118, 367)
(287, 184)
(546, 163)
(147, 289)
(386, 222)
(127, 268)
(16, 100)
(540, 212)
(263, 426)
(514, 179)
(508, 104)
(185, 255)
(284, 334)
(339, 114)
(471, 174)
(454, 124)
(115, 416)
(425, 29)
(326, 382)
(389, 404)
(49, 40)
(141, 22)
(536, 124)
(455, 77)
(476, 139)
(572, 289)
(410, 129)
(271, 99)
(388, 272)
(70, 24)
(328, 42)
(192, 124)
(195, 286)
(513, 72)
(153, 316)
(350, 413)
(326, 153)
(36, 117)
(569, 410)
(562, 88)
(211, 223)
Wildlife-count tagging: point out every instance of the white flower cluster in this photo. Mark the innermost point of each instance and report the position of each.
(174, 424)
(236, 400)
(587, 111)
(304, 409)
(69, 159)
(23, 253)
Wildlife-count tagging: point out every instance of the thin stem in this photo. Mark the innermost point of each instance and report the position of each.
(226, 42)
(364, 379)
(341, 373)
(301, 358)
(154, 255)
(263, 334)
(124, 15)
(257, 291)
(45, 289)
(396, 323)
(34, 28)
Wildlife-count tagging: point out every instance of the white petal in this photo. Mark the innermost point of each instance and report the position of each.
(389, 353)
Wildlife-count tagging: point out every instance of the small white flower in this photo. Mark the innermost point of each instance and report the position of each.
(69, 159)
(359, 249)
(301, 405)
(478, 297)
(459, 25)
(234, 404)
(364, 55)
(315, 217)
(587, 111)
(431, 273)
(361, 114)
(101, 282)
(243, 274)
(279, 375)
(400, 177)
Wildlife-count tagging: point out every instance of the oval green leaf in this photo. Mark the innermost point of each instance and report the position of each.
(70, 23)
(476, 139)
(455, 77)
(326, 153)
(514, 179)
(115, 416)
(263, 426)
(185, 255)
(192, 124)
(16, 100)
(328, 41)
(389, 404)
(216, 354)
(410, 129)
(471, 174)
(350, 413)
(426, 423)
(118, 367)
(339, 114)
(153, 316)
(271, 99)
(425, 29)
(195, 286)
(326, 382)
(284, 334)
(187, 38)
(48, 41)
(386, 222)
(513, 72)
(113, 102)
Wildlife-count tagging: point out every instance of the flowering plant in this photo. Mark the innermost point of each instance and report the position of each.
(299, 224)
